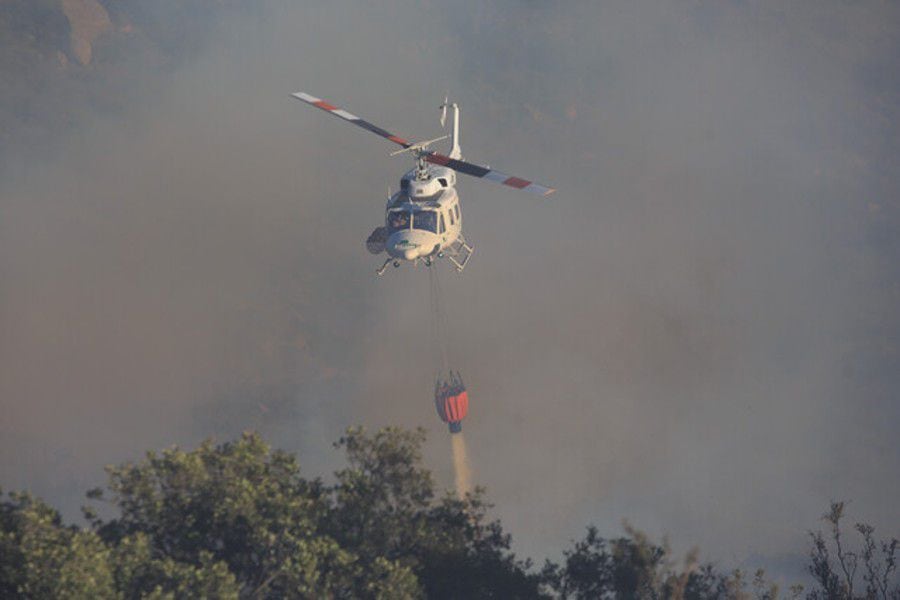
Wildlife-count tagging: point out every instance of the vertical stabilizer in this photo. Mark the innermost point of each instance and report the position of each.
(455, 152)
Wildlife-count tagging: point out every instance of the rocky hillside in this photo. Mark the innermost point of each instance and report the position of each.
(88, 20)
(61, 58)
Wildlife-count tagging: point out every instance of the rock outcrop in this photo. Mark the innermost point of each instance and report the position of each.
(88, 21)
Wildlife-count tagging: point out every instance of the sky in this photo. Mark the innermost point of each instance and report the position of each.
(698, 333)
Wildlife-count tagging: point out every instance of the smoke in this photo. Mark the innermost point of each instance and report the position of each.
(462, 473)
(698, 332)
(679, 335)
(189, 265)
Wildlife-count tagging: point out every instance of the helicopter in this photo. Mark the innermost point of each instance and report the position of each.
(423, 221)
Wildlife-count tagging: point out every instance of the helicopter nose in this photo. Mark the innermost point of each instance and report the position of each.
(408, 245)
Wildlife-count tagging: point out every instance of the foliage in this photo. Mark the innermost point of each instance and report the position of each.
(385, 507)
(40, 558)
(244, 505)
(836, 569)
(635, 567)
(237, 520)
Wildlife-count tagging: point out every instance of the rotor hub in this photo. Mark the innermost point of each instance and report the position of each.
(422, 173)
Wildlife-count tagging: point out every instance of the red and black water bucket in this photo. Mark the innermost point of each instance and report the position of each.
(452, 402)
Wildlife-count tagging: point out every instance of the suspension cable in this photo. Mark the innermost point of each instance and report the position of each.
(437, 317)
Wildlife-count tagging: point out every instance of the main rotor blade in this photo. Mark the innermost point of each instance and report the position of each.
(319, 103)
(486, 173)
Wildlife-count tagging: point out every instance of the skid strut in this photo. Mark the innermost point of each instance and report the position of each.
(381, 270)
(459, 253)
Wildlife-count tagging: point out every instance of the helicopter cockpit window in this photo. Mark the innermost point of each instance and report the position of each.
(399, 219)
(399, 198)
(426, 220)
(442, 181)
(404, 184)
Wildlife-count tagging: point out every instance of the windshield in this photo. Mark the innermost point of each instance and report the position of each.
(426, 220)
(398, 219)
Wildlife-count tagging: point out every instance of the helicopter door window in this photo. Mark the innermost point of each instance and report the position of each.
(426, 220)
(452, 221)
(443, 227)
(399, 219)
(456, 208)
(442, 181)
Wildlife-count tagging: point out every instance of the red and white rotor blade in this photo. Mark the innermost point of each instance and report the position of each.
(330, 108)
(486, 173)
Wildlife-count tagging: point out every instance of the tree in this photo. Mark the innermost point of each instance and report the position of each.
(238, 521)
(186, 519)
(834, 567)
(632, 567)
(241, 504)
(40, 558)
(139, 573)
(385, 506)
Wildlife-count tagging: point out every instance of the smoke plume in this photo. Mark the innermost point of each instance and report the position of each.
(698, 332)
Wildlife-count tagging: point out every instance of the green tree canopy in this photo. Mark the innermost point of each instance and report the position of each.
(238, 520)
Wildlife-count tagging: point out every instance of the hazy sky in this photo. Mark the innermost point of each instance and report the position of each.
(698, 333)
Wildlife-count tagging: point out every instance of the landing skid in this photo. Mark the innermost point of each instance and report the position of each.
(459, 253)
(380, 271)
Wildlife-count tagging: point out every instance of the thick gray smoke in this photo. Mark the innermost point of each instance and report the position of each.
(698, 332)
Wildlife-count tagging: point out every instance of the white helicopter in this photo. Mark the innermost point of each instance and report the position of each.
(423, 220)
